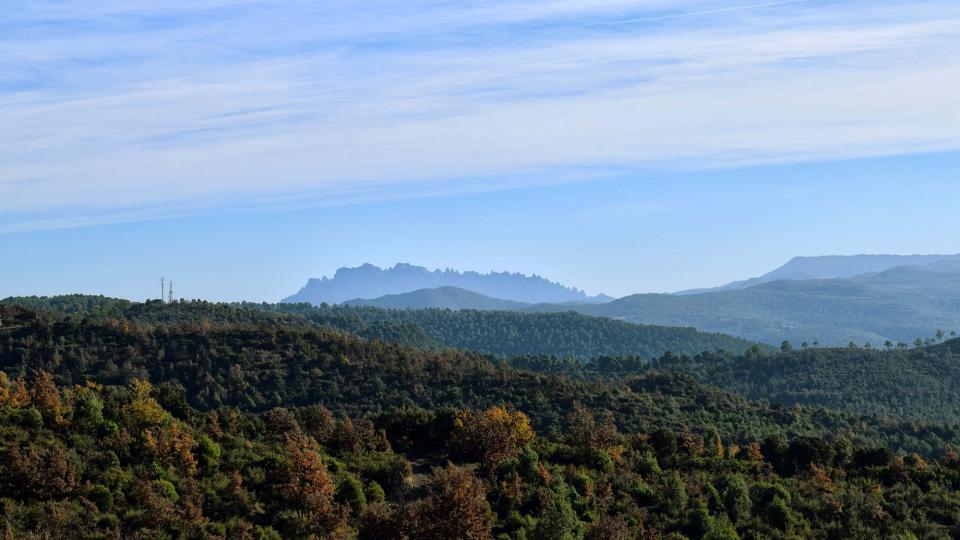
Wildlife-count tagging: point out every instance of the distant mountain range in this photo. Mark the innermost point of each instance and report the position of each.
(831, 300)
(900, 304)
(831, 267)
(372, 282)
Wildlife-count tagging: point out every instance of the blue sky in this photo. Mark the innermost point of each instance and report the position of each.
(243, 146)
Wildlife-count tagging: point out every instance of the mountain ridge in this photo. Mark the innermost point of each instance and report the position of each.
(899, 304)
(829, 267)
(368, 281)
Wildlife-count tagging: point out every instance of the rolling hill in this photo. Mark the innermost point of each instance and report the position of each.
(503, 333)
(564, 334)
(259, 367)
(117, 429)
(919, 384)
(899, 304)
(442, 298)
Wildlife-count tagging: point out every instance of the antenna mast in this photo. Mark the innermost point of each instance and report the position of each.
(162, 287)
(170, 297)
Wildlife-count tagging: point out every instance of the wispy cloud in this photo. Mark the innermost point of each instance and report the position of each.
(121, 109)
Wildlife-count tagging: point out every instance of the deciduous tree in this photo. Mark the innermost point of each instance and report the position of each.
(493, 435)
(309, 488)
(456, 507)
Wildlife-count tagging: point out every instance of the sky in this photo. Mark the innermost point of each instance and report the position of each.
(240, 147)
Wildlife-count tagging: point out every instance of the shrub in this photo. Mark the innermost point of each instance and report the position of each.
(350, 492)
(374, 492)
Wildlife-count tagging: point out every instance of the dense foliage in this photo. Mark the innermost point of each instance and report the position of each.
(257, 367)
(502, 333)
(510, 333)
(361, 322)
(92, 461)
(921, 383)
(255, 424)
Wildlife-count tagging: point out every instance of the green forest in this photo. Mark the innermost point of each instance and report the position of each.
(921, 383)
(198, 420)
(504, 333)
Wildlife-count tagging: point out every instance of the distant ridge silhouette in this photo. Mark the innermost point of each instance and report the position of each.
(831, 267)
(369, 282)
(902, 303)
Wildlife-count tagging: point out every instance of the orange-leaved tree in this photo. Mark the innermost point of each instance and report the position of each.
(309, 488)
(456, 507)
(492, 436)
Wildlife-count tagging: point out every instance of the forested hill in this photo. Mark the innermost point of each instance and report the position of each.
(918, 383)
(111, 428)
(255, 368)
(509, 333)
(921, 383)
(502, 333)
(155, 312)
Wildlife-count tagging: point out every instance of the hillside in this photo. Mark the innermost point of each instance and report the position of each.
(508, 333)
(369, 281)
(209, 366)
(900, 304)
(441, 298)
(196, 430)
(900, 383)
(154, 312)
(564, 334)
(921, 384)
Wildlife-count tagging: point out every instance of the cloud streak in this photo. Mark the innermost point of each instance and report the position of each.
(121, 110)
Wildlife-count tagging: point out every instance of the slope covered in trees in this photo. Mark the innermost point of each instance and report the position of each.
(910, 383)
(495, 332)
(508, 333)
(208, 366)
(921, 383)
(93, 461)
(117, 428)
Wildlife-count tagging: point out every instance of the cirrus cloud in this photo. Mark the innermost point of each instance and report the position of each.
(123, 109)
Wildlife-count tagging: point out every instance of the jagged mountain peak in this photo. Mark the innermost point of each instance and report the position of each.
(369, 281)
